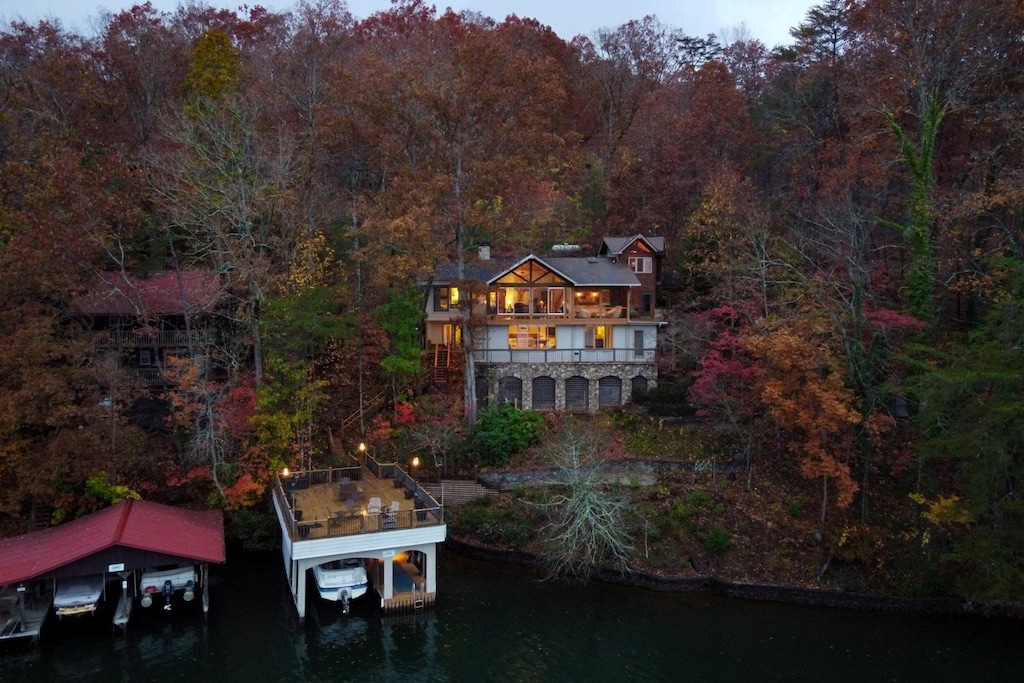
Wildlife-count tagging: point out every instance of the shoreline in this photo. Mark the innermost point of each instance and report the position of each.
(763, 592)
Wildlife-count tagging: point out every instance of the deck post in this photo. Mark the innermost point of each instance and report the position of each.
(297, 584)
(204, 572)
(389, 577)
(431, 567)
(300, 595)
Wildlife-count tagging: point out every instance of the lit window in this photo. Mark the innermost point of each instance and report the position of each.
(446, 298)
(597, 337)
(531, 337)
(640, 264)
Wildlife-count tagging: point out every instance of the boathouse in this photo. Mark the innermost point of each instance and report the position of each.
(117, 544)
(374, 512)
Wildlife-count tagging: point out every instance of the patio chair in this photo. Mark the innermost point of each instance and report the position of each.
(373, 507)
(391, 515)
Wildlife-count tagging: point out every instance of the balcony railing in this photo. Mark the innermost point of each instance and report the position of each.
(148, 375)
(505, 356)
(427, 512)
(181, 338)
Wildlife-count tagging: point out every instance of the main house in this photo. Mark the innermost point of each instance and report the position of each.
(553, 332)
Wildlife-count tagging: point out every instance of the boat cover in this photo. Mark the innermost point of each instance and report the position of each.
(77, 594)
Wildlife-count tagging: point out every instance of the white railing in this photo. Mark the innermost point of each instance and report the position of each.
(505, 356)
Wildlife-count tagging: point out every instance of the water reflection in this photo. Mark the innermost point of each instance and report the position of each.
(331, 629)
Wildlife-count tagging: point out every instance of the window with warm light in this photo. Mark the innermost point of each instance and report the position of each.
(531, 337)
(597, 337)
(640, 264)
(446, 298)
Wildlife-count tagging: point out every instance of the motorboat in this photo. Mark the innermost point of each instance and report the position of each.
(77, 594)
(341, 580)
(167, 582)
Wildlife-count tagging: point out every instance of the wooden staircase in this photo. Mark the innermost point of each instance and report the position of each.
(457, 491)
(40, 516)
(373, 405)
(442, 363)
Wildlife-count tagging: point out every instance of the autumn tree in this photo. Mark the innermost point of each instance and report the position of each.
(803, 390)
(935, 59)
(623, 68)
(730, 250)
(61, 185)
(459, 110)
(725, 383)
(222, 190)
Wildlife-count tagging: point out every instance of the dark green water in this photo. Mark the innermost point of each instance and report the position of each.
(497, 623)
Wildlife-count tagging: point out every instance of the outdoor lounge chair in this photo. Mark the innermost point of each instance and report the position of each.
(373, 507)
(391, 515)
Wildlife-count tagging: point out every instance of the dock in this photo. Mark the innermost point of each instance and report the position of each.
(23, 611)
(409, 590)
(373, 512)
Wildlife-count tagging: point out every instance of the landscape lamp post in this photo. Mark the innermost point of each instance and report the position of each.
(289, 495)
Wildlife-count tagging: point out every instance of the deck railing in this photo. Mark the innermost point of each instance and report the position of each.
(427, 511)
(135, 338)
(505, 356)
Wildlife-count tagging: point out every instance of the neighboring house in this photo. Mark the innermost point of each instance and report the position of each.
(554, 332)
(137, 323)
(644, 257)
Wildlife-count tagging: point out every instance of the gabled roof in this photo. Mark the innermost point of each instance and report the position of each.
(614, 246)
(193, 534)
(590, 271)
(192, 291)
(473, 270)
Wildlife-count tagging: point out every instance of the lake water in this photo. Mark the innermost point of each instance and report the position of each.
(498, 623)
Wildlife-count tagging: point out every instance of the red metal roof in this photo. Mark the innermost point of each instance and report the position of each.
(193, 291)
(194, 534)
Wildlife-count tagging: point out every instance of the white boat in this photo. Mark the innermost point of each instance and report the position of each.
(77, 594)
(341, 580)
(166, 582)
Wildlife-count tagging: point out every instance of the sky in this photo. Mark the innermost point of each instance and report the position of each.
(767, 20)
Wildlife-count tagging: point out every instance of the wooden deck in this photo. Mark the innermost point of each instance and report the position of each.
(326, 514)
(409, 586)
(336, 503)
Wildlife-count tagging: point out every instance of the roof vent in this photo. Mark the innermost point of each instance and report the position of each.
(591, 259)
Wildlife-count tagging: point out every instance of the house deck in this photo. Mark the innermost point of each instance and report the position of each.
(336, 503)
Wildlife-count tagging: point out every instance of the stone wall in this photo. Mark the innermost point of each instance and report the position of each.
(593, 372)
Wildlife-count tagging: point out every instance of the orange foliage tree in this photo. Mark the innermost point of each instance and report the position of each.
(803, 389)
